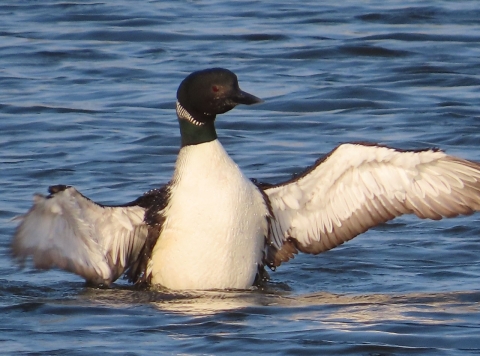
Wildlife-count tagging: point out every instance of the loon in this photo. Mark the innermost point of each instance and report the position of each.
(211, 227)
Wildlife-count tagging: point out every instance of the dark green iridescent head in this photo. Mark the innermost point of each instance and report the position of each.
(203, 95)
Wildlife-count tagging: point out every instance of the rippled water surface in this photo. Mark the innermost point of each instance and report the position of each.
(87, 93)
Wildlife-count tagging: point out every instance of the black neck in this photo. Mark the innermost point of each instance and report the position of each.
(196, 128)
(195, 134)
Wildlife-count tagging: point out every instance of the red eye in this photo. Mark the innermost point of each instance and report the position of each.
(215, 88)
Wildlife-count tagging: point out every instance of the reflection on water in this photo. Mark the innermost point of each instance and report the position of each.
(335, 308)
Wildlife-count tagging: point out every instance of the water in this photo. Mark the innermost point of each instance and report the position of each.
(87, 98)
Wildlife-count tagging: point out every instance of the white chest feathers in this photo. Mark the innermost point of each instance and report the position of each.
(213, 235)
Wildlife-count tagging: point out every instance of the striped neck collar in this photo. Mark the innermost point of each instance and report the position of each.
(194, 132)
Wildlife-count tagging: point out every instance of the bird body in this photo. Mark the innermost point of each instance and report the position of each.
(214, 221)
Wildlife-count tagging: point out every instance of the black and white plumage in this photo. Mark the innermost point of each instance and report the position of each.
(358, 186)
(211, 228)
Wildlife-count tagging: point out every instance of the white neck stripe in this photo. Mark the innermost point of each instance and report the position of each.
(184, 114)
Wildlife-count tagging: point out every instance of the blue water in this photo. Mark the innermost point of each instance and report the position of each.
(87, 93)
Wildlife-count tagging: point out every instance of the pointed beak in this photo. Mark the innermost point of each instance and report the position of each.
(245, 98)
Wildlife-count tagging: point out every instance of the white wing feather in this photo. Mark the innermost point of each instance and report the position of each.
(359, 186)
(69, 231)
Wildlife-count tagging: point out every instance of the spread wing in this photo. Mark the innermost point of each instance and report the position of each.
(358, 186)
(69, 231)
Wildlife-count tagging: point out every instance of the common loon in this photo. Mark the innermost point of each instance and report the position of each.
(211, 227)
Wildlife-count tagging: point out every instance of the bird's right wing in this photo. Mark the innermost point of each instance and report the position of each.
(71, 232)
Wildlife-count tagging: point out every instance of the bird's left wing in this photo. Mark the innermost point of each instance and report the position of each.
(358, 186)
(71, 232)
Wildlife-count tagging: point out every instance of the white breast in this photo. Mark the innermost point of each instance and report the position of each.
(213, 236)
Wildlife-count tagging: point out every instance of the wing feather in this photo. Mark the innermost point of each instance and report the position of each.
(358, 186)
(71, 232)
